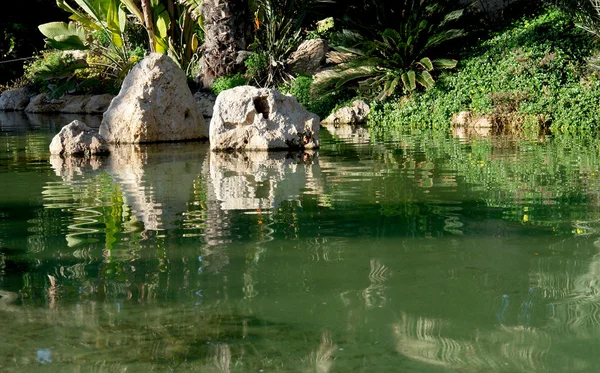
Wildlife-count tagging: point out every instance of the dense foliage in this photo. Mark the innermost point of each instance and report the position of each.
(533, 71)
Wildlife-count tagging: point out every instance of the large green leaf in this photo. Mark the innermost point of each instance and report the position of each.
(426, 63)
(66, 42)
(425, 79)
(134, 9)
(113, 23)
(63, 36)
(444, 63)
(409, 80)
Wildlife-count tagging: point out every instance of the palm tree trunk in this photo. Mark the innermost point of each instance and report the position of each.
(225, 24)
(148, 22)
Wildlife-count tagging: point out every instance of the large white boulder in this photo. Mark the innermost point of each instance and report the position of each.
(250, 118)
(155, 104)
(77, 139)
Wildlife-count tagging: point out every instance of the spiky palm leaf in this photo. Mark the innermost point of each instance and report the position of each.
(396, 60)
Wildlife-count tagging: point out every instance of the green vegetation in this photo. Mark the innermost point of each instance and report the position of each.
(419, 68)
(533, 71)
(227, 82)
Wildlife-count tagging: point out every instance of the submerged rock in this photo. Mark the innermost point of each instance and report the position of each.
(16, 99)
(355, 114)
(260, 119)
(155, 104)
(76, 138)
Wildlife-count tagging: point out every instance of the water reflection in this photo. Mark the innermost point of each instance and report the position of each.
(261, 180)
(157, 180)
(424, 253)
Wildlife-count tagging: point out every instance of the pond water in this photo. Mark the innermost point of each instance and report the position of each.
(424, 253)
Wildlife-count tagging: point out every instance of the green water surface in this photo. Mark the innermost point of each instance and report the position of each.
(424, 253)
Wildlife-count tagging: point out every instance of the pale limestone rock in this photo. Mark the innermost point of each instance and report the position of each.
(462, 119)
(155, 104)
(308, 57)
(15, 99)
(466, 125)
(75, 104)
(77, 139)
(355, 114)
(42, 103)
(249, 118)
(98, 104)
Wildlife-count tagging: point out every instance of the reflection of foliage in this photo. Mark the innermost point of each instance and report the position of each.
(525, 175)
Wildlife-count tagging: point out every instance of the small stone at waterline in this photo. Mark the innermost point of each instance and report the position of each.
(76, 138)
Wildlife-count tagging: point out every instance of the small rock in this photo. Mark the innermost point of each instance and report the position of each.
(98, 104)
(467, 119)
(75, 104)
(42, 103)
(355, 114)
(76, 138)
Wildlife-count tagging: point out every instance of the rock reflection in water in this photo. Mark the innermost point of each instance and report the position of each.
(349, 133)
(157, 180)
(261, 180)
(69, 168)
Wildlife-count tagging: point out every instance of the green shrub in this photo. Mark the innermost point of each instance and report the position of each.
(55, 73)
(321, 105)
(227, 82)
(395, 60)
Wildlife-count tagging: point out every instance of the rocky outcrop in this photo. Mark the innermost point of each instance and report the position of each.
(86, 104)
(77, 139)
(355, 114)
(75, 104)
(249, 118)
(43, 103)
(155, 104)
(308, 58)
(16, 99)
